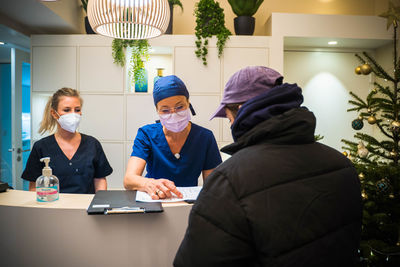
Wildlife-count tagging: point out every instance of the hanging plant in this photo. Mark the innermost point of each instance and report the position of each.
(210, 20)
(140, 53)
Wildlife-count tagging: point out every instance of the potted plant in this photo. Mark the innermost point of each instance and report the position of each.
(172, 3)
(140, 54)
(88, 28)
(244, 10)
(210, 20)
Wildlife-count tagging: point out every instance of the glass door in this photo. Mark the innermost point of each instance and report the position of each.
(5, 122)
(13, 82)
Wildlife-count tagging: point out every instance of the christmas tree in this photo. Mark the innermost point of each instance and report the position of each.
(377, 159)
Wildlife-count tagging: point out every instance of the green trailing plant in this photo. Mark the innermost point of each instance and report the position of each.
(245, 7)
(210, 20)
(176, 3)
(140, 53)
(318, 137)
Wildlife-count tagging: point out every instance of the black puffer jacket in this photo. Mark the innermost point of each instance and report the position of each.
(280, 200)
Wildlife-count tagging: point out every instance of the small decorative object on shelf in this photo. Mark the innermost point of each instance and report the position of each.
(159, 74)
(141, 84)
(244, 10)
(172, 3)
(139, 51)
(88, 28)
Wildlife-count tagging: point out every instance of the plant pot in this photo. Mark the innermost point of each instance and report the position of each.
(88, 28)
(244, 25)
(171, 19)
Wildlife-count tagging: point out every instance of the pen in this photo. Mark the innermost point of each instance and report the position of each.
(124, 210)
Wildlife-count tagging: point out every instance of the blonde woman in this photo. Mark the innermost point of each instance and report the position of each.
(78, 160)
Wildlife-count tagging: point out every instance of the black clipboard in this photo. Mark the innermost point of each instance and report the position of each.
(120, 202)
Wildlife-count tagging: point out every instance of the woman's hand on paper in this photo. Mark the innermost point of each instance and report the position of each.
(161, 188)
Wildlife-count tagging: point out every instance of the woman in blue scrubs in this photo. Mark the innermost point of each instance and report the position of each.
(175, 150)
(78, 160)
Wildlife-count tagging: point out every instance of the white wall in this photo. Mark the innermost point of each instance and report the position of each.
(326, 79)
(111, 111)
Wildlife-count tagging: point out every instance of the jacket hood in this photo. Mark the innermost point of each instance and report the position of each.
(295, 126)
(275, 101)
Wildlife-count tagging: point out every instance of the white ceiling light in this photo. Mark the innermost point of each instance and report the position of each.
(129, 19)
(332, 43)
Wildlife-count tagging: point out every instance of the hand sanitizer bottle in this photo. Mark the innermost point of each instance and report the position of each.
(47, 185)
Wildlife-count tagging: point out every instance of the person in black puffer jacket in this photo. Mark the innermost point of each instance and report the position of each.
(282, 199)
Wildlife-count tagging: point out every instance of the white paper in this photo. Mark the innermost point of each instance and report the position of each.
(189, 193)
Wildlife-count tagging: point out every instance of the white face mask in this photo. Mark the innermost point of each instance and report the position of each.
(69, 121)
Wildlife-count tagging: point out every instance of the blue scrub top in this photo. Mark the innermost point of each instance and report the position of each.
(200, 152)
(75, 175)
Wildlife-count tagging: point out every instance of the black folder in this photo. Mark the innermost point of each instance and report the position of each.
(119, 202)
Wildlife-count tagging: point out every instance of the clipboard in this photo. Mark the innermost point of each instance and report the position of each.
(120, 202)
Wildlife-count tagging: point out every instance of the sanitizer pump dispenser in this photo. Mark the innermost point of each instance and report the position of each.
(47, 185)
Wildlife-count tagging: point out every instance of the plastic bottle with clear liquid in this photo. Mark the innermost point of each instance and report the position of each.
(47, 185)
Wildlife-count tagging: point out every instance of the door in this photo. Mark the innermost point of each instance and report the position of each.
(13, 79)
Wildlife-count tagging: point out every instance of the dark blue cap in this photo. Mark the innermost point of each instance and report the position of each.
(170, 86)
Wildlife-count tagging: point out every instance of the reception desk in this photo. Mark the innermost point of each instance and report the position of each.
(62, 234)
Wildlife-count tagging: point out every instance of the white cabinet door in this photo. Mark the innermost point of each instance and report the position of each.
(97, 72)
(236, 58)
(102, 116)
(114, 154)
(140, 110)
(205, 106)
(190, 69)
(53, 68)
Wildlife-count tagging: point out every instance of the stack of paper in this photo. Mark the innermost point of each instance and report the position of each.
(189, 193)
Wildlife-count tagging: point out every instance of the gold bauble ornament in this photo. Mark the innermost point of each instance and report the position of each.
(371, 119)
(358, 70)
(345, 153)
(395, 124)
(361, 176)
(364, 195)
(366, 69)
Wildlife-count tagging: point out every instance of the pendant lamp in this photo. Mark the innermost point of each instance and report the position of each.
(129, 19)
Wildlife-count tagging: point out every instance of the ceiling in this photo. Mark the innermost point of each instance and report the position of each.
(21, 18)
(315, 43)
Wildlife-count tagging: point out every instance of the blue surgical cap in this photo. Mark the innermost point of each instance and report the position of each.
(170, 86)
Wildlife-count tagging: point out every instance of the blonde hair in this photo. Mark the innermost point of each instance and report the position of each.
(48, 123)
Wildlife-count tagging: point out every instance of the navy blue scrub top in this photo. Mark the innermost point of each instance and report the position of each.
(75, 175)
(200, 152)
